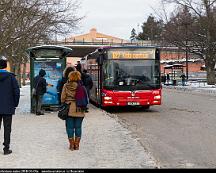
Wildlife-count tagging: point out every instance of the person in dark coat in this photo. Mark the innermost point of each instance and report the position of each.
(167, 78)
(183, 77)
(63, 80)
(9, 90)
(87, 81)
(40, 84)
(79, 67)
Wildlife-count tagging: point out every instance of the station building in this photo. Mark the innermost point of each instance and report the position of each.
(173, 56)
(93, 37)
(169, 55)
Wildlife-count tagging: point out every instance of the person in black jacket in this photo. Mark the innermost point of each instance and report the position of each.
(79, 67)
(9, 90)
(87, 81)
(40, 84)
(183, 77)
(63, 80)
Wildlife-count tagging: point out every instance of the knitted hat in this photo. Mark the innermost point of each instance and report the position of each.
(42, 72)
(3, 62)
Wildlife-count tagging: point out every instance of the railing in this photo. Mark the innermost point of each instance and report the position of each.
(102, 42)
(200, 81)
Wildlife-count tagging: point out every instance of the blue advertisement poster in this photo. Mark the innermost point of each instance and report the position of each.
(54, 72)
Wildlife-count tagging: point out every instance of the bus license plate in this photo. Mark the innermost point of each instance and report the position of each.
(133, 103)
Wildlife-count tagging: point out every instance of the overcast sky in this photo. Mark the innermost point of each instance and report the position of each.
(115, 17)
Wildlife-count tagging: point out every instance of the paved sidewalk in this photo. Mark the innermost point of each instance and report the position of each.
(41, 142)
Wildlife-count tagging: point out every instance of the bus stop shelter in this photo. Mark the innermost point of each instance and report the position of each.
(52, 59)
(175, 71)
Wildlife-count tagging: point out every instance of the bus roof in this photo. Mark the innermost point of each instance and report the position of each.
(103, 48)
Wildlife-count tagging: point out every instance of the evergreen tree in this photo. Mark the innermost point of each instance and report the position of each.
(151, 29)
(133, 35)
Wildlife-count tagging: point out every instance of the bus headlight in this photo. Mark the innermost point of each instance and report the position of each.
(156, 92)
(158, 97)
(107, 98)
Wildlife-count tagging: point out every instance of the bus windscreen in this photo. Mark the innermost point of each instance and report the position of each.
(131, 74)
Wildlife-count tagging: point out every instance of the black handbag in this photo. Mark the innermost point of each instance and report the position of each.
(63, 112)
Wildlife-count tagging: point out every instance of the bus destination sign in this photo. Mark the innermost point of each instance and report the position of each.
(131, 54)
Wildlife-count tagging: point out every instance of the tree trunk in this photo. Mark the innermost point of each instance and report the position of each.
(24, 75)
(18, 73)
(12, 66)
(210, 69)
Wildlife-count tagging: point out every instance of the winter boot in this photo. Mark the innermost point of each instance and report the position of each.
(71, 142)
(77, 142)
(7, 151)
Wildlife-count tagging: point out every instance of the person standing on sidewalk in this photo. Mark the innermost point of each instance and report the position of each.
(40, 85)
(87, 82)
(63, 80)
(183, 77)
(76, 114)
(167, 78)
(79, 67)
(9, 90)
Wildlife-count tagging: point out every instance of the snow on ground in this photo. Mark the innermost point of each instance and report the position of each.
(41, 142)
(194, 86)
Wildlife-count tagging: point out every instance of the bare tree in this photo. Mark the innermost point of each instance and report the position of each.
(24, 23)
(193, 28)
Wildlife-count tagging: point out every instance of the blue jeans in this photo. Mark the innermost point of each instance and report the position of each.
(183, 83)
(74, 125)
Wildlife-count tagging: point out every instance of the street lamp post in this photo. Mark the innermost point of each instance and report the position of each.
(186, 58)
(186, 46)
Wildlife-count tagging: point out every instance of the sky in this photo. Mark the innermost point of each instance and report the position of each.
(115, 17)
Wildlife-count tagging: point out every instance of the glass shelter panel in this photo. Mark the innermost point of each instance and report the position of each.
(54, 70)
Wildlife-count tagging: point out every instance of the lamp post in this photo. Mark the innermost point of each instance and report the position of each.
(186, 55)
(186, 23)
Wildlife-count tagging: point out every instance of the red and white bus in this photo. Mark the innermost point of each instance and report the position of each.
(125, 76)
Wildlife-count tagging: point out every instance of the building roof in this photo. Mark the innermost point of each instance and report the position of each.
(94, 36)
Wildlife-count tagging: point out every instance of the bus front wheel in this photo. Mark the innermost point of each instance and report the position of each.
(145, 107)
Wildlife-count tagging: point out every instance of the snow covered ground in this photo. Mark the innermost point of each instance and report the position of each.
(41, 142)
(195, 86)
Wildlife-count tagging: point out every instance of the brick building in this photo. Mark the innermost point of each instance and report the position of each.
(168, 55)
(171, 56)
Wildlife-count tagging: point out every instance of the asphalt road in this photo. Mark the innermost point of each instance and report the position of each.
(181, 133)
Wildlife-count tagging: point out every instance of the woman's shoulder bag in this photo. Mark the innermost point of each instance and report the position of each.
(63, 112)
